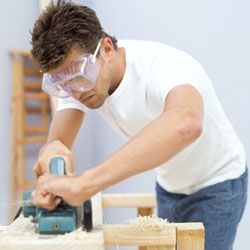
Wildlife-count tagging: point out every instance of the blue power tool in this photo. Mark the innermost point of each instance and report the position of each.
(64, 218)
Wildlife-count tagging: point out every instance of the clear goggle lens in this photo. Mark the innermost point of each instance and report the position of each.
(80, 76)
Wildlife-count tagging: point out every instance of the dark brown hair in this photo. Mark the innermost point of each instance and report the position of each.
(64, 26)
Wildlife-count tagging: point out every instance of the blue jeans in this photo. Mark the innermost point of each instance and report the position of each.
(219, 207)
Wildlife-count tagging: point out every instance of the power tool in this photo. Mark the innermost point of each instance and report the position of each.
(64, 218)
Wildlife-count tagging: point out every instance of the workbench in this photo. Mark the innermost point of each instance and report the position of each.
(147, 235)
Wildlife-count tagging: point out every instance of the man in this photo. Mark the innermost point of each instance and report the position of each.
(160, 100)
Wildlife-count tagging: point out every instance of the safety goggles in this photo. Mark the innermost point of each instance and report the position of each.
(80, 76)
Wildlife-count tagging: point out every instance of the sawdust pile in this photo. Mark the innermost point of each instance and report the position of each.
(24, 228)
(149, 223)
(78, 234)
(2, 228)
(145, 223)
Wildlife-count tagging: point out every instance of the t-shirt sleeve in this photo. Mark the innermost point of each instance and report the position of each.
(70, 103)
(165, 74)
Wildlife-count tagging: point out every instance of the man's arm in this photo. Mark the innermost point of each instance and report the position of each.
(179, 125)
(65, 126)
(63, 131)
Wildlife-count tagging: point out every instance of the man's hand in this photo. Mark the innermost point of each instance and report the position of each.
(50, 150)
(50, 190)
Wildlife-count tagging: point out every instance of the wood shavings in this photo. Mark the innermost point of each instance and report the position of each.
(25, 228)
(78, 234)
(149, 223)
(21, 234)
(2, 228)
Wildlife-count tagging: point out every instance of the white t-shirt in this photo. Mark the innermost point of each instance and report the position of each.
(152, 70)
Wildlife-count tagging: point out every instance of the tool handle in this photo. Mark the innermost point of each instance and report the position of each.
(57, 166)
(87, 216)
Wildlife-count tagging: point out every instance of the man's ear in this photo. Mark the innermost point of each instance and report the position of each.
(107, 49)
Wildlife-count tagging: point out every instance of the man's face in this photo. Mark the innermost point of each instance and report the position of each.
(95, 97)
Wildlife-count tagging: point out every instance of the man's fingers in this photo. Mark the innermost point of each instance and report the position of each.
(37, 170)
(58, 200)
(47, 152)
(69, 164)
(48, 198)
(43, 178)
(48, 201)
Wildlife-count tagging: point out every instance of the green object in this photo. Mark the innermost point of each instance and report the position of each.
(28, 207)
(57, 166)
(61, 220)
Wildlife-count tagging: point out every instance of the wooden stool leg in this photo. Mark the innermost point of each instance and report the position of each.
(12, 184)
(13, 147)
(190, 238)
(145, 211)
(20, 116)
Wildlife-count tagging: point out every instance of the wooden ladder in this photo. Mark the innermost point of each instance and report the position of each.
(27, 99)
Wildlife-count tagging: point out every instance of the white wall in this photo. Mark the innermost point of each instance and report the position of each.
(214, 32)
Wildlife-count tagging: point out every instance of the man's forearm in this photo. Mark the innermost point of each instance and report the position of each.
(65, 126)
(155, 144)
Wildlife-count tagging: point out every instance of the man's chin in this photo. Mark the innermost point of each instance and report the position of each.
(95, 104)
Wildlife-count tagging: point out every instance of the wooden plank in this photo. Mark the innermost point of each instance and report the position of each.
(130, 235)
(32, 72)
(31, 96)
(144, 203)
(35, 110)
(129, 200)
(190, 236)
(161, 248)
(21, 235)
(32, 86)
(31, 139)
(36, 130)
(29, 184)
(19, 52)
(35, 96)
